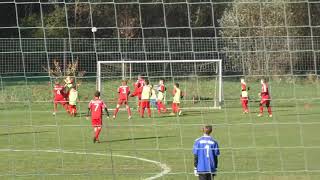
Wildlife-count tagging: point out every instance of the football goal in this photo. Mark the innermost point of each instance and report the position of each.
(199, 80)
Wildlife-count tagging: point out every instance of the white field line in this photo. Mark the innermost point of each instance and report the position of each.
(165, 168)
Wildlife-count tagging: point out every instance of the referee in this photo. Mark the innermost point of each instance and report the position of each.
(206, 152)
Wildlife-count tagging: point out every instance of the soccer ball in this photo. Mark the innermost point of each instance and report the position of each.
(94, 29)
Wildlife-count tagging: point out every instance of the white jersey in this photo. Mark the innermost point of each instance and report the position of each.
(153, 94)
(146, 92)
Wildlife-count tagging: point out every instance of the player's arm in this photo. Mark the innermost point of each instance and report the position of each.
(215, 161)
(88, 113)
(216, 153)
(195, 158)
(106, 109)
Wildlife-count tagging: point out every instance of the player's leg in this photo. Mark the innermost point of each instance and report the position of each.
(143, 106)
(98, 133)
(159, 107)
(117, 109)
(174, 108)
(246, 106)
(55, 107)
(148, 108)
(262, 102)
(206, 176)
(269, 108)
(178, 109)
(128, 109)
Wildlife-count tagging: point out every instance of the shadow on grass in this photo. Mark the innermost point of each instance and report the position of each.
(137, 139)
(17, 133)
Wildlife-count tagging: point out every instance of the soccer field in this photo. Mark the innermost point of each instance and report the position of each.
(36, 145)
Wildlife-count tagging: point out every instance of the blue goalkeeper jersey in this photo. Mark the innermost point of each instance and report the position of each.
(206, 148)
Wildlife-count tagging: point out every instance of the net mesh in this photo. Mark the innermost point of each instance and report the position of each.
(277, 40)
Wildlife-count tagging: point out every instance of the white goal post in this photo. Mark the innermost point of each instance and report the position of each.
(201, 80)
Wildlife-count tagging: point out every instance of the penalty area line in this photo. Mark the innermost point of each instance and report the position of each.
(165, 168)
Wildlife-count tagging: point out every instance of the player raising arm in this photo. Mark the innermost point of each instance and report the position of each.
(244, 96)
(206, 152)
(145, 99)
(265, 98)
(161, 93)
(96, 107)
(124, 92)
(138, 90)
(59, 97)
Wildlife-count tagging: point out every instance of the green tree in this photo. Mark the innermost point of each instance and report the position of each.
(259, 35)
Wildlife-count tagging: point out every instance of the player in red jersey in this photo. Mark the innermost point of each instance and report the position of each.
(161, 94)
(59, 97)
(138, 86)
(96, 107)
(244, 96)
(124, 92)
(265, 98)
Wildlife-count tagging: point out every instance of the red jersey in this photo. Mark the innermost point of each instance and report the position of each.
(96, 107)
(58, 91)
(162, 88)
(264, 90)
(243, 86)
(139, 83)
(124, 92)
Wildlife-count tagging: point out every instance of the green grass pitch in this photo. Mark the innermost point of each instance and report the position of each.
(36, 145)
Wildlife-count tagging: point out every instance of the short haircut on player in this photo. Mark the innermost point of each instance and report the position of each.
(177, 85)
(97, 94)
(56, 82)
(207, 129)
(124, 81)
(146, 81)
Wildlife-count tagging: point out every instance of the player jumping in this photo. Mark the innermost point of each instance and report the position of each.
(244, 96)
(124, 92)
(96, 107)
(176, 100)
(265, 98)
(138, 85)
(59, 97)
(161, 94)
(145, 99)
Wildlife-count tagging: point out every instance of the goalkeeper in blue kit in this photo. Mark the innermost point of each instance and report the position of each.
(206, 152)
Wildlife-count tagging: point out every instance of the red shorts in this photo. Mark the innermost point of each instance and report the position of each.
(145, 104)
(60, 100)
(265, 100)
(122, 101)
(96, 122)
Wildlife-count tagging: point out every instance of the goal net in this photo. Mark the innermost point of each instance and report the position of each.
(199, 80)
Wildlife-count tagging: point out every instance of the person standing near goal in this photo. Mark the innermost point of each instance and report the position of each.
(265, 98)
(206, 152)
(244, 96)
(96, 107)
(59, 97)
(124, 92)
(176, 99)
(161, 94)
(73, 98)
(138, 85)
(145, 99)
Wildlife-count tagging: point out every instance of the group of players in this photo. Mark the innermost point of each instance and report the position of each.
(66, 95)
(148, 96)
(264, 95)
(145, 93)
